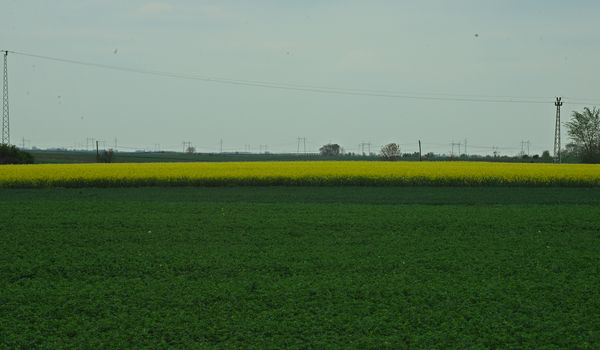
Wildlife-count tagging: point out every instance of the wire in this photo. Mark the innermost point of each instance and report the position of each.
(298, 87)
(581, 102)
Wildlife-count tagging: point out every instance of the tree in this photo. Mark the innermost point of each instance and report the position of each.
(584, 130)
(190, 150)
(546, 156)
(391, 151)
(13, 155)
(330, 149)
(106, 156)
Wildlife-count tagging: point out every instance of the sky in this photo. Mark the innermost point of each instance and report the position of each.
(523, 53)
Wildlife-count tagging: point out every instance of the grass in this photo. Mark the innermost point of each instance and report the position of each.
(304, 267)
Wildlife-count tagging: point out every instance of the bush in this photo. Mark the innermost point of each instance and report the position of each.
(13, 155)
(330, 150)
(106, 156)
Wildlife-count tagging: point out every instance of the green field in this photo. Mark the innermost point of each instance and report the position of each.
(300, 267)
(66, 157)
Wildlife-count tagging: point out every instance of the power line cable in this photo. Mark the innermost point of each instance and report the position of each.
(298, 87)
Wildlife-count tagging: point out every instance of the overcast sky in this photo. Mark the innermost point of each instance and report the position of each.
(463, 49)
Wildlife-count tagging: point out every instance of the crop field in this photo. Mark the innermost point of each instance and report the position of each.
(300, 173)
(300, 267)
(63, 157)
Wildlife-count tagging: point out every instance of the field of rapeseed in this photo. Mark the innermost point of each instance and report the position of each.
(299, 173)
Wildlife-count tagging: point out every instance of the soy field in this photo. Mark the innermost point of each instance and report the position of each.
(300, 267)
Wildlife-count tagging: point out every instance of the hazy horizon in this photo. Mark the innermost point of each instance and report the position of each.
(473, 50)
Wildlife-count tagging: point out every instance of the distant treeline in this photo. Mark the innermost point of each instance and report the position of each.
(68, 156)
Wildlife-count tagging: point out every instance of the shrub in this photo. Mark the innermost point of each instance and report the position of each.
(106, 156)
(330, 150)
(13, 155)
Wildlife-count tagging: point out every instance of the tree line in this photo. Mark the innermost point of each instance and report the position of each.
(583, 128)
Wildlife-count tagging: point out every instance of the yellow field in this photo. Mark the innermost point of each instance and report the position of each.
(299, 173)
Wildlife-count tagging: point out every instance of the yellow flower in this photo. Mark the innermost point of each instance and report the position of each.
(299, 173)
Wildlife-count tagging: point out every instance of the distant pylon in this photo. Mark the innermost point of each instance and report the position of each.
(5, 117)
(558, 104)
(455, 144)
(301, 140)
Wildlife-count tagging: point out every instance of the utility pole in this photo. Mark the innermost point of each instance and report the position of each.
(97, 152)
(420, 155)
(221, 147)
(466, 154)
(5, 114)
(557, 157)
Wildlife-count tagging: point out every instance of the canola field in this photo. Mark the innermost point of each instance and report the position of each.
(299, 173)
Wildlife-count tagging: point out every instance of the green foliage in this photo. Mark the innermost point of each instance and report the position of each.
(391, 151)
(13, 155)
(584, 129)
(300, 268)
(106, 156)
(330, 150)
(546, 157)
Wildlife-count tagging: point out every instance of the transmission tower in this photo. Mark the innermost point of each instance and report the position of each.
(5, 120)
(455, 144)
(25, 142)
(558, 104)
(362, 148)
(89, 141)
(523, 144)
(301, 140)
(187, 147)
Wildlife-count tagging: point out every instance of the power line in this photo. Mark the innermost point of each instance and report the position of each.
(304, 88)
